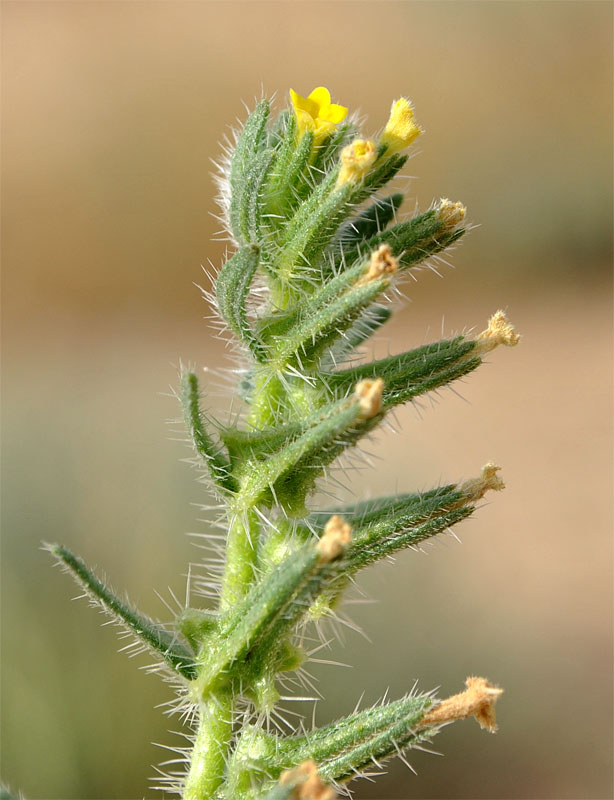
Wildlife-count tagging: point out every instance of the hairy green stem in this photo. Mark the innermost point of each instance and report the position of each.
(211, 748)
(241, 558)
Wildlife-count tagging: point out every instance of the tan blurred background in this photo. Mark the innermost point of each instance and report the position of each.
(112, 112)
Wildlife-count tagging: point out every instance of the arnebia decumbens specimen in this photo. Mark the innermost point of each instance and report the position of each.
(318, 251)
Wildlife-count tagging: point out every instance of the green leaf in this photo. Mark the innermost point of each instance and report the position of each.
(383, 172)
(254, 224)
(288, 170)
(232, 289)
(327, 152)
(160, 641)
(210, 453)
(247, 159)
(311, 229)
(399, 531)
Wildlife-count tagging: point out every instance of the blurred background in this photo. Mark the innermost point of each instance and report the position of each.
(112, 114)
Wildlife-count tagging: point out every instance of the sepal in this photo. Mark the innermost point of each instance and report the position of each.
(387, 525)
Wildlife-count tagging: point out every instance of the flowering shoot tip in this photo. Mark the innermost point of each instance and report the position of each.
(316, 113)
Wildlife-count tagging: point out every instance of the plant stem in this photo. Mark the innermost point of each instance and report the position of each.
(241, 558)
(211, 747)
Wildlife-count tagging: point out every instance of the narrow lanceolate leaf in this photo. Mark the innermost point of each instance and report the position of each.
(369, 222)
(319, 216)
(288, 169)
(210, 453)
(271, 603)
(315, 333)
(156, 638)
(327, 152)
(232, 288)
(253, 224)
(411, 374)
(394, 733)
(367, 512)
(246, 160)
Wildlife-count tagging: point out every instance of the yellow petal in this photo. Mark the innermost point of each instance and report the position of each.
(321, 96)
(335, 113)
(304, 104)
(305, 121)
(400, 130)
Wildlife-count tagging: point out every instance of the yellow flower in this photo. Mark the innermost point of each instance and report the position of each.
(400, 130)
(357, 159)
(316, 113)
